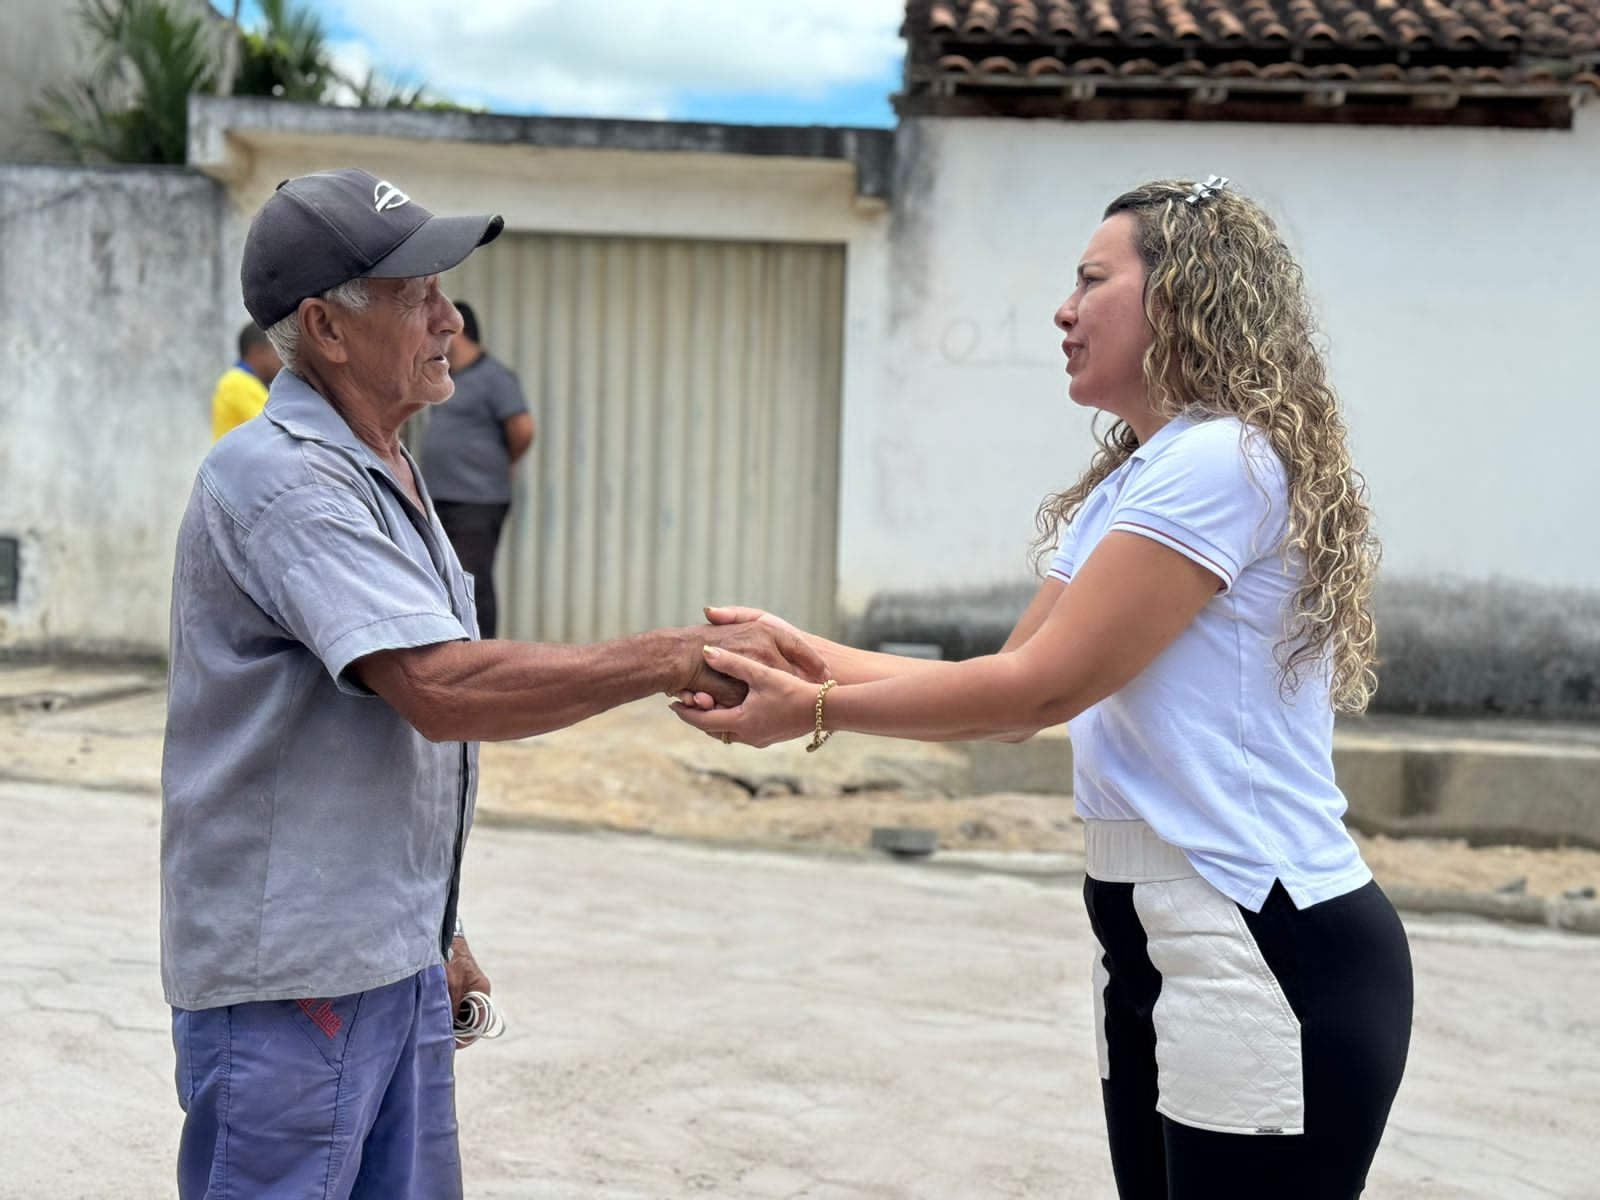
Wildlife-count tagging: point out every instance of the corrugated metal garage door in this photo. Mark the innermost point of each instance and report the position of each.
(687, 397)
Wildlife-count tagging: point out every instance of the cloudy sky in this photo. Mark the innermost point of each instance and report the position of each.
(801, 62)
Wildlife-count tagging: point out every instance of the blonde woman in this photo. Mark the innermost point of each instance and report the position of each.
(1204, 614)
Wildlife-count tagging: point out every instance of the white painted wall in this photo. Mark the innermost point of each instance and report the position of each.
(111, 337)
(1454, 269)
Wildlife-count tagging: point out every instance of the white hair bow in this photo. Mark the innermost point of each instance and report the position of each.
(1203, 191)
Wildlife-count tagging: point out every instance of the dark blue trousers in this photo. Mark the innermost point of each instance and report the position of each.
(349, 1098)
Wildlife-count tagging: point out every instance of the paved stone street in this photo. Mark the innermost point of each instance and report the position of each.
(688, 1022)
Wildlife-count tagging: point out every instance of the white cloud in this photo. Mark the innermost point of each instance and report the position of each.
(625, 57)
(352, 59)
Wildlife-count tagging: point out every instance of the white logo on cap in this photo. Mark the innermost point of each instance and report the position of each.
(386, 196)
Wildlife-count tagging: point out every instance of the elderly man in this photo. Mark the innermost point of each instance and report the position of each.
(326, 691)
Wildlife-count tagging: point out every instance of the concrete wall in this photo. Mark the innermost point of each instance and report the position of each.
(111, 335)
(1454, 272)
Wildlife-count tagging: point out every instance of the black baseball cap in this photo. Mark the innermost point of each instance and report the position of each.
(318, 231)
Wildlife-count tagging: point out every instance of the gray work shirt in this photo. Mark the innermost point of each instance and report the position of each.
(310, 836)
(464, 446)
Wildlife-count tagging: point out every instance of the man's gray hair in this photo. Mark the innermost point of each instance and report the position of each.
(352, 295)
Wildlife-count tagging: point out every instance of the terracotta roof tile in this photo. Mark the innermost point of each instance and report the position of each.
(1557, 29)
(981, 18)
(1225, 25)
(1062, 21)
(941, 19)
(1141, 24)
(1022, 20)
(1179, 19)
(1101, 19)
(1320, 49)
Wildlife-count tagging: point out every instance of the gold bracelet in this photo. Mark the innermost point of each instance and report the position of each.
(820, 735)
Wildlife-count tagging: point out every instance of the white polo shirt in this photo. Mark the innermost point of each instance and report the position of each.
(1203, 745)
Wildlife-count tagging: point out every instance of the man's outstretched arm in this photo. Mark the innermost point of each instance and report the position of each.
(499, 690)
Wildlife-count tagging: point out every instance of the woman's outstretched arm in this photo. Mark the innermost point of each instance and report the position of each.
(1129, 601)
(851, 665)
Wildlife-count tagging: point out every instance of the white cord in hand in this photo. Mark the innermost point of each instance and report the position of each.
(477, 1018)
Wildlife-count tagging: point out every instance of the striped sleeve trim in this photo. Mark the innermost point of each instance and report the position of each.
(1192, 553)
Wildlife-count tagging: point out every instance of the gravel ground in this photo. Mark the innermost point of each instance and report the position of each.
(637, 770)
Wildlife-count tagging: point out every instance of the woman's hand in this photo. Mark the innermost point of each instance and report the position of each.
(736, 614)
(777, 708)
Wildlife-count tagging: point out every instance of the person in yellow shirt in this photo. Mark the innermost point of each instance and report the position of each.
(242, 391)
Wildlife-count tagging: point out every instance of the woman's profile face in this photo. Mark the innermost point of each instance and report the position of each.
(1107, 333)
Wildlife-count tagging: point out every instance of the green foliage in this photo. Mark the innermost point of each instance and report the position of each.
(149, 56)
(378, 91)
(287, 57)
(132, 107)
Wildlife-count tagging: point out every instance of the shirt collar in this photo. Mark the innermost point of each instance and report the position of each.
(304, 413)
(1164, 435)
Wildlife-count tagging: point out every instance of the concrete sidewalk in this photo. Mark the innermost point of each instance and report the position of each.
(687, 1022)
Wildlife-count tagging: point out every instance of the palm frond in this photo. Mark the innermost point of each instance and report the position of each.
(146, 57)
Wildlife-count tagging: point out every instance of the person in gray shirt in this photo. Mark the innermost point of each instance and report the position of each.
(326, 692)
(468, 450)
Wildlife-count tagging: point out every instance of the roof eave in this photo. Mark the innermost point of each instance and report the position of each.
(1536, 104)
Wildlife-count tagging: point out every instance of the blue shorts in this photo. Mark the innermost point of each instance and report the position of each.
(347, 1098)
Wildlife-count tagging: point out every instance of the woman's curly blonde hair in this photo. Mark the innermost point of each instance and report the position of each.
(1233, 335)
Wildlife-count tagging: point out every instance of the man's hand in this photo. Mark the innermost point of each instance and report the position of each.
(773, 643)
(776, 708)
(462, 974)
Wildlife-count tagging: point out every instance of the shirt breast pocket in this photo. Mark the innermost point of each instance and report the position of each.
(466, 602)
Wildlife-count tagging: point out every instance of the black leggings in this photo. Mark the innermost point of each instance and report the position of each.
(1345, 969)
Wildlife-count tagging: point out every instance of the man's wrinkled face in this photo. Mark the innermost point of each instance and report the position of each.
(1107, 333)
(401, 341)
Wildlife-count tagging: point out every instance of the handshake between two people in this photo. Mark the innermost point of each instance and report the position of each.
(759, 682)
